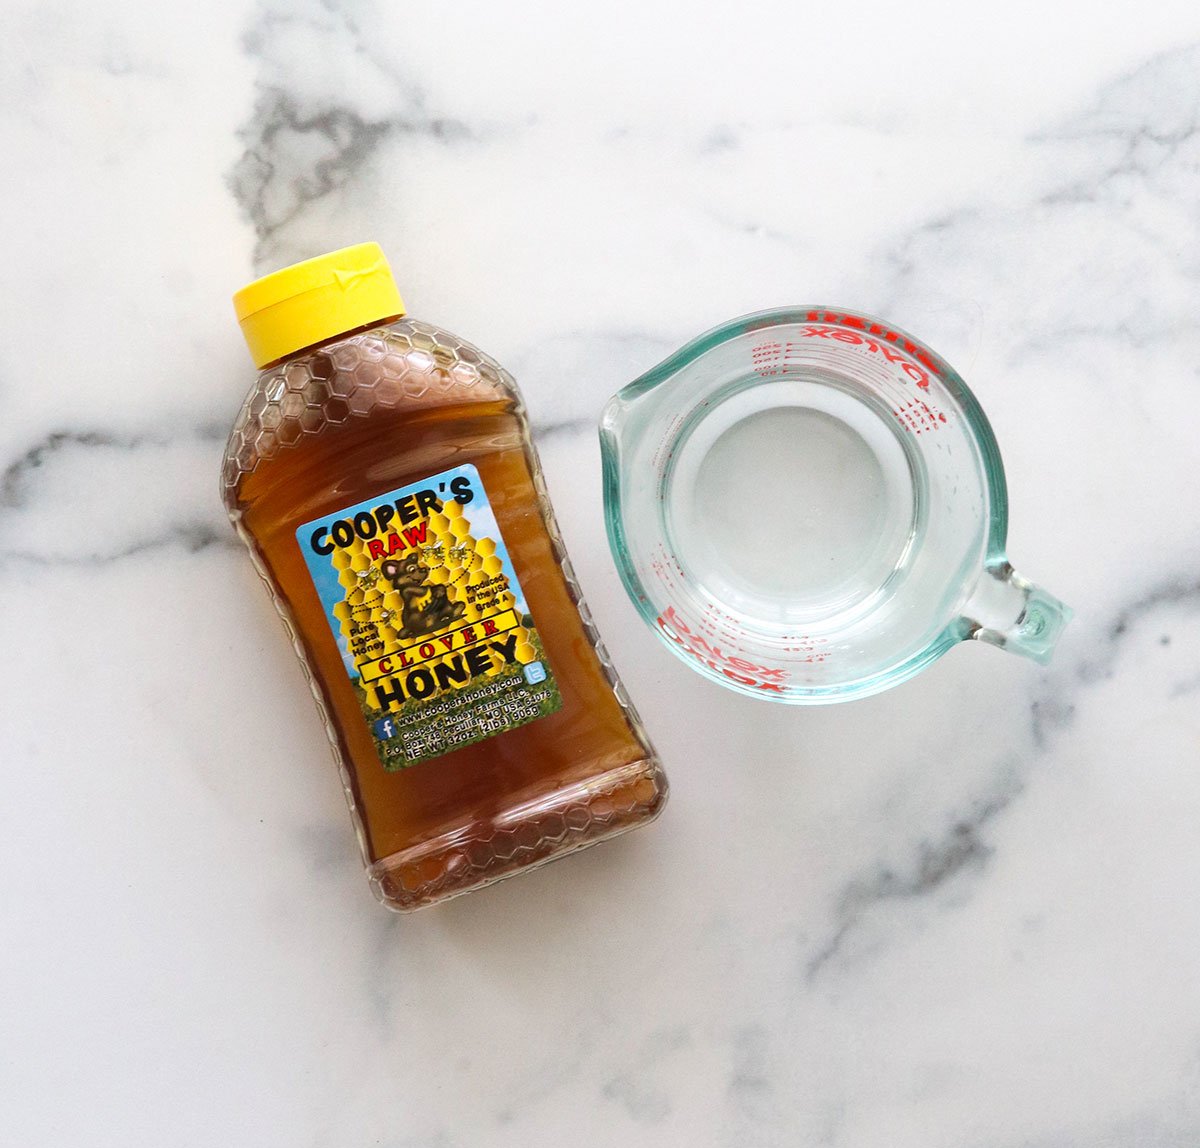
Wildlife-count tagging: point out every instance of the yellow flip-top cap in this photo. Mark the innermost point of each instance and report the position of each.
(316, 300)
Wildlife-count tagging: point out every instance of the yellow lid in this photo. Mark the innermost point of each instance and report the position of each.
(316, 300)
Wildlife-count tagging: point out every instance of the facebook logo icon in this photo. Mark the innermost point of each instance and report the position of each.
(385, 728)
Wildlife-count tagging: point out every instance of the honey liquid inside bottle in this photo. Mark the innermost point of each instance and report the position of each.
(381, 474)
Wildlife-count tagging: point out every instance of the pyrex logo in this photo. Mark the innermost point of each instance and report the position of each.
(733, 666)
(874, 338)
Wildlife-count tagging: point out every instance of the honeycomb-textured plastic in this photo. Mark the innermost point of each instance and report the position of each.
(415, 365)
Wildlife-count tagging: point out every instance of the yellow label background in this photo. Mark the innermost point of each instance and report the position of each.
(463, 564)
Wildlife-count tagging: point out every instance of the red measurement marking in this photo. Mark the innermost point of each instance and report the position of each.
(807, 649)
(917, 416)
(766, 358)
(731, 665)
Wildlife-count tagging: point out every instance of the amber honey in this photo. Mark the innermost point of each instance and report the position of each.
(360, 416)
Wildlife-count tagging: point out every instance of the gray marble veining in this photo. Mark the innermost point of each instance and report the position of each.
(957, 915)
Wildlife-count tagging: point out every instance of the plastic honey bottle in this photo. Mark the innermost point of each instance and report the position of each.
(382, 476)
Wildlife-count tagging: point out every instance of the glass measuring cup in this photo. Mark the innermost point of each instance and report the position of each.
(809, 506)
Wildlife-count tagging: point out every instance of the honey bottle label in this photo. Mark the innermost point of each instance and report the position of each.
(429, 617)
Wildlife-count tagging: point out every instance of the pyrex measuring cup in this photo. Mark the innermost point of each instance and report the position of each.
(809, 505)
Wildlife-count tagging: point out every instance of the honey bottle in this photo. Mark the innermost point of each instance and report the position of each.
(382, 476)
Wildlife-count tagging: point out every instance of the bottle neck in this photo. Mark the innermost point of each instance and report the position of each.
(386, 321)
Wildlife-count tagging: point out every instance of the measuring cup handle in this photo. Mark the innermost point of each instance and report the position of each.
(1014, 614)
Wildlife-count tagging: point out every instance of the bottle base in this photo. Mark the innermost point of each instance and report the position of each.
(528, 835)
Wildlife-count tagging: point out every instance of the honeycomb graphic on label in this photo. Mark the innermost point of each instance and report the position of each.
(429, 617)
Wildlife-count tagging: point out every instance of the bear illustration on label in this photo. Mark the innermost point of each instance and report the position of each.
(425, 606)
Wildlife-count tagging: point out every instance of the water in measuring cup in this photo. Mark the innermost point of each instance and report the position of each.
(794, 502)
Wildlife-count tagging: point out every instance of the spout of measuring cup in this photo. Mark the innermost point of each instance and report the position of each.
(612, 420)
(612, 431)
(1014, 614)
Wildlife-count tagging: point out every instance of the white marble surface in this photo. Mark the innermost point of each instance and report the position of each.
(960, 915)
